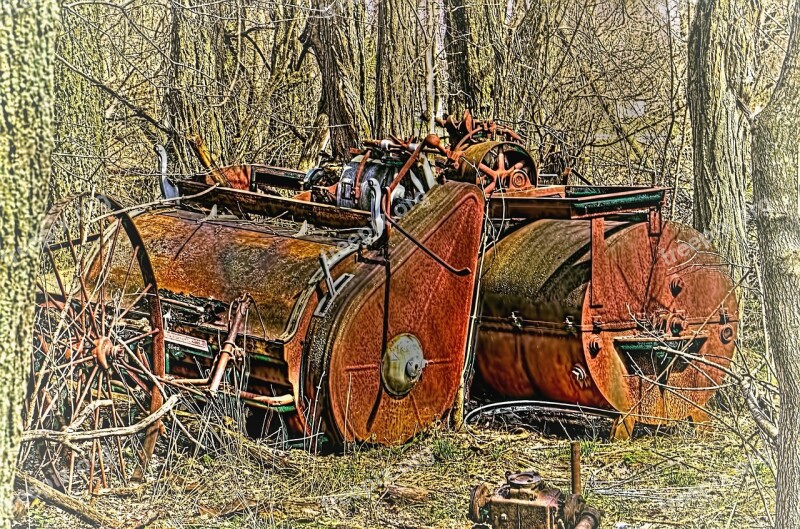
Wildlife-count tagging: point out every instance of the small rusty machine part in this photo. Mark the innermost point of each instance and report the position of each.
(524, 500)
(344, 304)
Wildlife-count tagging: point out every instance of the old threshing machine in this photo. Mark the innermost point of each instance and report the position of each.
(352, 301)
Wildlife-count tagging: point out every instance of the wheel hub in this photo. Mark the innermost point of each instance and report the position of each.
(402, 366)
(103, 349)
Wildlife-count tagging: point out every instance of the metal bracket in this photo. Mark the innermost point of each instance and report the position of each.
(376, 220)
(325, 302)
(654, 222)
(326, 271)
(599, 262)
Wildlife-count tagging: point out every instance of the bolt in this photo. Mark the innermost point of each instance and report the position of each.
(519, 179)
(676, 324)
(413, 369)
(103, 348)
(726, 334)
(595, 345)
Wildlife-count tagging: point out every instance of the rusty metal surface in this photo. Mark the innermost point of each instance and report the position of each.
(562, 203)
(220, 260)
(541, 335)
(414, 296)
(247, 202)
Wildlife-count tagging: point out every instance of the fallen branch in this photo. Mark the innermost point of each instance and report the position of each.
(65, 503)
(404, 494)
(88, 410)
(70, 436)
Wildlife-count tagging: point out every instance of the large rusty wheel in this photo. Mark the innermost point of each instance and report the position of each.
(97, 346)
(385, 363)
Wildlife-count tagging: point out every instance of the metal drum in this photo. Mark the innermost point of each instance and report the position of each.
(644, 327)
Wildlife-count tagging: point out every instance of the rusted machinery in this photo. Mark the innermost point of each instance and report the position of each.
(525, 500)
(589, 297)
(620, 311)
(281, 294)
(350, 299)
(600, 316)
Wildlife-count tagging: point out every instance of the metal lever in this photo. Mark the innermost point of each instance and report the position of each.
(455, 271)
(226, 353)
(326, 271)
(376, 217)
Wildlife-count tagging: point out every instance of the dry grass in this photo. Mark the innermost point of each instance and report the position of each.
(679, 479)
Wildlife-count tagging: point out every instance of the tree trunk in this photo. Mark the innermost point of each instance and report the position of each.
(175, 108)
(396, 69)
(328, 37)
(431, 23)
(27, 50)
(82, 137)
(719, 174)
(463, 87)
(776, 196)
(317, 139)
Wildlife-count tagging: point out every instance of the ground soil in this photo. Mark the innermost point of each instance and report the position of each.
(684, 477)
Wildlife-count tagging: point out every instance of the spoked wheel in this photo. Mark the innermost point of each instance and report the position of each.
(97, 350)
(498, 165)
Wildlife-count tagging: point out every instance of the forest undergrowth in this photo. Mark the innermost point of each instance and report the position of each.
(684, 477)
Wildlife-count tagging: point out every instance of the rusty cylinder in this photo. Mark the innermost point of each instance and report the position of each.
(371, 340)
(618, 333)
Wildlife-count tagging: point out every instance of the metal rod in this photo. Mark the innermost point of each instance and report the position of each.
(575, 466)
(226, 353)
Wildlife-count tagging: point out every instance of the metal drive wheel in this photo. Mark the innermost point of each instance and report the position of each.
(385, 360)
(498, 165)
(97, 350)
